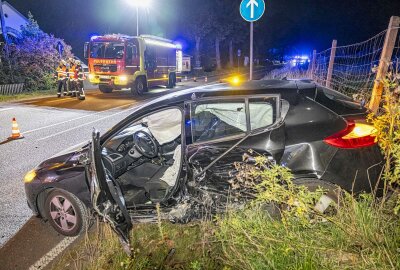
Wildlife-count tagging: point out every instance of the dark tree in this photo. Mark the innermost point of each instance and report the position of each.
(34, 57)
(199, 24)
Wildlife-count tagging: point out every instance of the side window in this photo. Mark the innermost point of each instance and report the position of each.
(212, 120)
(262, 112)
(129, 54)
(150, 58)
(135, 51)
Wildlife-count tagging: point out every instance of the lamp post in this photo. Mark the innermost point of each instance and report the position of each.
(137, 20)
(138, 4)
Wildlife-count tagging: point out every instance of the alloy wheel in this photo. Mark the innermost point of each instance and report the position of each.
(63, 213)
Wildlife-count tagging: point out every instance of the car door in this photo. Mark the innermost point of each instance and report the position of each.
(106, 195)
(220, 131)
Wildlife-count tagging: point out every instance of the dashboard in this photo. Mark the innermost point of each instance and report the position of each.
(134, 146)
(120, 151)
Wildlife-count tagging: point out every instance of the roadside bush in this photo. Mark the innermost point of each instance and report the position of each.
(361, 234)
(33, 58)
(387, 124)
(358, 237)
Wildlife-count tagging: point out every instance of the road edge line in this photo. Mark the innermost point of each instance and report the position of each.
(53, 253)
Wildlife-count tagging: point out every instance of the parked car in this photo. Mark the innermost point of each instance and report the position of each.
(178, 150)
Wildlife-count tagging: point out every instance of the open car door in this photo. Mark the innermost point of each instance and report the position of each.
(106, 196)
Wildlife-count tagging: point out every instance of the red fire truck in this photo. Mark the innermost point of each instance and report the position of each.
(118, 61)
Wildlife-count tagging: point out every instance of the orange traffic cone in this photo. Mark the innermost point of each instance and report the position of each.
(195, 79)
(16, 134)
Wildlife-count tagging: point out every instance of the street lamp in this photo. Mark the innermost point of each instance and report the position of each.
(139, 4)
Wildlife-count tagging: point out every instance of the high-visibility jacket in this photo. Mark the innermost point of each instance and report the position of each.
(79, 74)
(61, 72)
(71, 72)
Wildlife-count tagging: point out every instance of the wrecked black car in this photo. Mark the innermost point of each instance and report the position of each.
(178, 151)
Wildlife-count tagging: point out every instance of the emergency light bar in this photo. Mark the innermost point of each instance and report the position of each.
(160, 42)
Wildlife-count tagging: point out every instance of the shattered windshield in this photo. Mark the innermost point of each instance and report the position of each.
(107, 50)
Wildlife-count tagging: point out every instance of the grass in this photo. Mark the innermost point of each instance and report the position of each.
(28, 95)
(181, 247)
(361, 236)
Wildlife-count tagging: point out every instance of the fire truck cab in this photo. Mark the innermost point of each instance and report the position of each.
(118, 61)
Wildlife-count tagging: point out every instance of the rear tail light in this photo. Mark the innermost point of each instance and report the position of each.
(355, 135)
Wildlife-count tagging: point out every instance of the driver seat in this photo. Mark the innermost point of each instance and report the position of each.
(146, 176)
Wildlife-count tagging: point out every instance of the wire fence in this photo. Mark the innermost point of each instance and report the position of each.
(354, 66)
(396, 55)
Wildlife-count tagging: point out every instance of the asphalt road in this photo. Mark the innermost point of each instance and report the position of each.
(49, 125)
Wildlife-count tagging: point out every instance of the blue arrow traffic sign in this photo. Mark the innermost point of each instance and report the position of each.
(252, 10)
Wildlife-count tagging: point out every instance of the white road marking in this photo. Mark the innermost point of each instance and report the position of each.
(6, 109)
(70, 129)
(67, 98)
(53, 253)
(77, 118)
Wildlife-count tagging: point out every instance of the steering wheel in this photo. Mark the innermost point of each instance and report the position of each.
(145, 144)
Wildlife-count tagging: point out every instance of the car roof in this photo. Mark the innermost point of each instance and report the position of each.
(287, 89)
(290, 90)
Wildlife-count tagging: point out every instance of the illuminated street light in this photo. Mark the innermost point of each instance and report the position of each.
(139, 4)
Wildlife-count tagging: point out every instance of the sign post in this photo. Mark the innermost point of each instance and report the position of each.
(239, 53)
(251, 11)
(60, 48)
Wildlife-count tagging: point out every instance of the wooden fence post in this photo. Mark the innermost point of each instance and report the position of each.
(384, 63)
(331, 62)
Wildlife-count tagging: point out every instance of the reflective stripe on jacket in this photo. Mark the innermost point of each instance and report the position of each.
(80, 75)
(61, 72)
(71, 72)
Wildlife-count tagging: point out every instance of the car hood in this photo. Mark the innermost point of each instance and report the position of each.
(72, 149)
(65, 158)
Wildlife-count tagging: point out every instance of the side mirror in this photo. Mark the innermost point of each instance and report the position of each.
(86, 50)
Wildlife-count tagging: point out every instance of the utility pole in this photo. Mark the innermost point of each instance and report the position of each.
(331, 62)
(384, 63)
(251, 51)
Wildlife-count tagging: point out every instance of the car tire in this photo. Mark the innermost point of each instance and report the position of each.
(70, 221)
(105, 89)
(328, 202)
(139, 87)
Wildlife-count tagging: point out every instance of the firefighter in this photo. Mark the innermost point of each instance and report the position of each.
(79, 78)
(61, 75)
(71, 78)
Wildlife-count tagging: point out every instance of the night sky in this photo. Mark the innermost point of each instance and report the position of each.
(305, 24)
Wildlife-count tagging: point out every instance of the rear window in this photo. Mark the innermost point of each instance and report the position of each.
(338, 102)
(262, 112)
